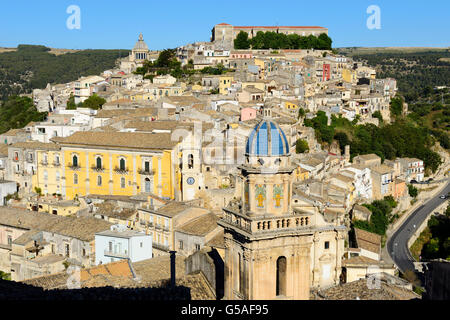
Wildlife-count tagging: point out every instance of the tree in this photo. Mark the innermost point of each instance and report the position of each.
(413, 192)
(17, 112)
(377, 114)
(301, 146)
(71, 103)
(94, 102)
(241, 41)
(396, 106)
(301, 113)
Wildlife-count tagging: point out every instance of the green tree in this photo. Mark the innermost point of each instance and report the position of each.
(377, 114)
(241, 41)
(17, 112)
(396, 106)
(94, 102)
(301, 146)
(71, 103)
(413, 192)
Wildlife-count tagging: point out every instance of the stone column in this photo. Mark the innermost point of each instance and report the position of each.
(111, 190)
(88, 191)
(316, 269)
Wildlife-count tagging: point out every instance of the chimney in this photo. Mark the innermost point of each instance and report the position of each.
(172, 268)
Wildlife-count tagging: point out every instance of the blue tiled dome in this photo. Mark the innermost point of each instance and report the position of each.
(267, 139)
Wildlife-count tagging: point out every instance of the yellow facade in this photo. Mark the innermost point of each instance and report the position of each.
(349, 75)
(60, 208)
(224, 83)
(301, 174)
(49, 172)
(262, 67)
(113, 179)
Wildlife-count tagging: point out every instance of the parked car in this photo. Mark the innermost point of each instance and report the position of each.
(443, 196)
(413, 181)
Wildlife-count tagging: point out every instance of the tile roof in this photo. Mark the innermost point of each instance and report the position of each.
(200, 226)
(82, 228)
(359, 290)
(36, 145)
(368, 240)
(128, 140)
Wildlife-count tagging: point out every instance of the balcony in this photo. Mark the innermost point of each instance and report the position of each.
(97, 169)
(73, 167)
(116, 254)
(121, 171)
(43, 163)
(146, 172)
(56, 164)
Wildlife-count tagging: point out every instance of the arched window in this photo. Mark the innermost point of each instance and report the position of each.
(190, 161)
(75, 161)
(99, 162)
(99, 180)
(281, 276)
(75, 178)
(122, 183)
(122, 164)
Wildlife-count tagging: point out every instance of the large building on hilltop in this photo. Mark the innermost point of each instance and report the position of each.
(137, 57)
(225, 33)
(275, 248)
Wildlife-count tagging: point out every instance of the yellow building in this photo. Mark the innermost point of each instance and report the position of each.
(225, 82)
(349, 75)
(301, 174)
(262, 67)
(49, 170)
(120, 163)
(55, 206)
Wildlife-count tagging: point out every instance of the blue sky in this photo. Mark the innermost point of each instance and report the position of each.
(110, 24)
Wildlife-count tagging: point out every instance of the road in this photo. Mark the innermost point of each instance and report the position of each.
(397, 245)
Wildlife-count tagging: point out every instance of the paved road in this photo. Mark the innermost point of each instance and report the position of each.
(398, 244)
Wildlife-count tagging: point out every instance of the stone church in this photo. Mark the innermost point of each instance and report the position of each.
(137, 57)
(276, 247)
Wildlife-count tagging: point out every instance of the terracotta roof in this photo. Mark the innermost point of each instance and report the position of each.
(82, 228)
(129, 140)
(359, 290)
(368, 240)
(36, 145)
(200, 226)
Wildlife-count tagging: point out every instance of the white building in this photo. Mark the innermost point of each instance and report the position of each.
(120, 243)
(6, 188)
(83, 87)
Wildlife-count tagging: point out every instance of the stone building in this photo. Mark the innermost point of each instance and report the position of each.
(138, 55)
(273, 249)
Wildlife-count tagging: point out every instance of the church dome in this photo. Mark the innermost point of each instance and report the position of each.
(140, 44)
(267, 139)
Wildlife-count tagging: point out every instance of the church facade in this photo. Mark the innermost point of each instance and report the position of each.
(276, 248)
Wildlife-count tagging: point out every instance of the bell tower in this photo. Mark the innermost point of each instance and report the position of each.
(267, 244)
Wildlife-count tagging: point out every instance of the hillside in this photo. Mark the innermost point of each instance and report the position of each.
(416, 69)
(30, 67)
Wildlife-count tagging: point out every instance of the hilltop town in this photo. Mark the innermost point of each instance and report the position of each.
(238, 160)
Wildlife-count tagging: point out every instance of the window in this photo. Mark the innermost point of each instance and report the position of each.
(84, 252)
(99, 163)
(45, 175)
(141, 244)
(197, 247)
(122, 183)
(327, 245)
(16, 156)
(75, 161)
(180, 246)
(122, 164)
(57, 176)
(147, 166)
(281, 277)
(110, 246)
(75, 178)
(99, 181)
(9, 240)
(67, 250)
(190, 161)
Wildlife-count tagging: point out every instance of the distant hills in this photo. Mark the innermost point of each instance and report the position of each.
(28, 67)
(416, 69)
